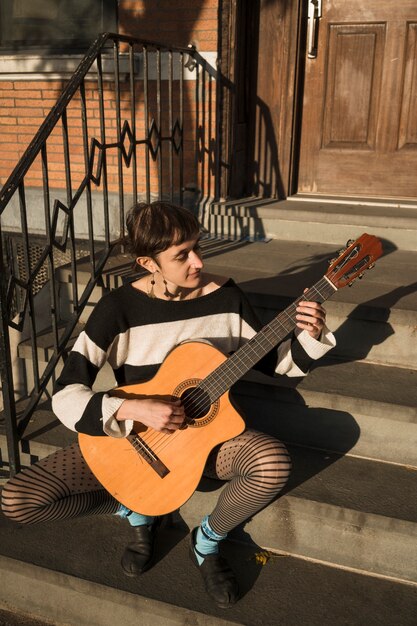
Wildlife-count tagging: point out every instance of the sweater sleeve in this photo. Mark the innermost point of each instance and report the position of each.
(74, 402)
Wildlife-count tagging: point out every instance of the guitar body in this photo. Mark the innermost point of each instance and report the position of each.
(133, 480)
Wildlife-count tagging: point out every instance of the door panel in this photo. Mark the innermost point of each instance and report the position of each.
(359, 129)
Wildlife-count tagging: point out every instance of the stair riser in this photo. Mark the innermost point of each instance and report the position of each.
(375, 342)
(30, 452)
(66, 301)
(299, 230)
(363, 541)
(310, 422)
(385, 343)
(320, 426)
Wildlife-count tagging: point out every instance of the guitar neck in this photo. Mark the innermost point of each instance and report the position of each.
(236, 366)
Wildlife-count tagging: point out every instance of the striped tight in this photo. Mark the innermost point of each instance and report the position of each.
(257, 467)
(61, 486)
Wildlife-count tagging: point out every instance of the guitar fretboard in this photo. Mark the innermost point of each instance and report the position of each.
(236, 366)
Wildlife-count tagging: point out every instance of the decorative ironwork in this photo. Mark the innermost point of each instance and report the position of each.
(117, 130)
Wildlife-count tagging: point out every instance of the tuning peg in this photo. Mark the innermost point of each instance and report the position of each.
(360, 276)
(330, 261)
(371, 266)
(349, 242)
(350, 284)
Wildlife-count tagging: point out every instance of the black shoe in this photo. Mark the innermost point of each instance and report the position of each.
(137, 557)
(219, 580)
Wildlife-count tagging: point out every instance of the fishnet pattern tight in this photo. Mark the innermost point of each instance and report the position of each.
(60, 486)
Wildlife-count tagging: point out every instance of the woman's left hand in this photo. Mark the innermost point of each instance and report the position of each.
(311, 317)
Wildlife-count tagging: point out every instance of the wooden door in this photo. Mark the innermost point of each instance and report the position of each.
(359, 121)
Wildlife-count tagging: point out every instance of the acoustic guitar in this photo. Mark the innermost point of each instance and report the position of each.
(155, 473)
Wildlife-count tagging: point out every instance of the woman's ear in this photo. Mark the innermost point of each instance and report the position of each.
(147, 263)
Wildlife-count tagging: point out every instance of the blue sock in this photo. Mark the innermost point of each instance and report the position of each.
(134, 519)
(206, 541)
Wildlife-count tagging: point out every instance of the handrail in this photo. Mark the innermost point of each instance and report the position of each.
(110, 143)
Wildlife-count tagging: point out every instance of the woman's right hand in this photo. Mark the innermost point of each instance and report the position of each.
(162, 415)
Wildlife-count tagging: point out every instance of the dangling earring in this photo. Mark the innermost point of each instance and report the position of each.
(151, 293)
(166, 292)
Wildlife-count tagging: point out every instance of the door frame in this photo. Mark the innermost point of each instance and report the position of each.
(241, 59)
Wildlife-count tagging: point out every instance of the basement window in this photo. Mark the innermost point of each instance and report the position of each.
(66, 26)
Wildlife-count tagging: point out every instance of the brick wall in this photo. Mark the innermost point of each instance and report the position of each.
(25, 103)
(178, 23)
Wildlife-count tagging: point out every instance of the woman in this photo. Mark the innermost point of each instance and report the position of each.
(133, 328)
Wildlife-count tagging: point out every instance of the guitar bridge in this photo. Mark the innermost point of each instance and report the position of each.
(148, 455)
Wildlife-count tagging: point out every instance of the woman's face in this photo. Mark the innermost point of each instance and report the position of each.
(181, 265)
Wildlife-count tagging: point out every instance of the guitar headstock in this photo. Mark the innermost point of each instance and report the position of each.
(359, 256)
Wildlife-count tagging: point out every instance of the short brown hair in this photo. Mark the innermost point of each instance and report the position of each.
(154, 227)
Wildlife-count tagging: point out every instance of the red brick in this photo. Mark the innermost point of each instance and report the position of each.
(8, 121)
(51, 93)
(8, 145)
(8, 93)
(28, 111)
(48, 85)
(24, 139)
(6, 102)
(27, 94)
(9, 135)
(6, 84)
(47, 104)
(30, 122)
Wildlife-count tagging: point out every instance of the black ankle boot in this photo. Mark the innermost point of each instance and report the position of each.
(137, 557)
(219, 580)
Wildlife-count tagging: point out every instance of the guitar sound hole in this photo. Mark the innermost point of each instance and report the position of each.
(196, 403)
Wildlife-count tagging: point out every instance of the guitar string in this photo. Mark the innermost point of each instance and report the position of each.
(158, 439)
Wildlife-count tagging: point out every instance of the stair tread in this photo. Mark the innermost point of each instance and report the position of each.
(317, 211)
(355, 380)
(353, 483)
(283, 268)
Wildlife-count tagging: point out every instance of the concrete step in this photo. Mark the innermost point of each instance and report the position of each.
(309, 219)
(357, 409)
(375, 320)
(85, 586)
(337, 510)
(352, 512)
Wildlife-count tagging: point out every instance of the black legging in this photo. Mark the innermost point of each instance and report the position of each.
(61, 485)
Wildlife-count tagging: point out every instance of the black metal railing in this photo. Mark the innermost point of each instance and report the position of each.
(136, 121)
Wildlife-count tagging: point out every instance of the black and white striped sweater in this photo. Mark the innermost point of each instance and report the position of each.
(134, 333)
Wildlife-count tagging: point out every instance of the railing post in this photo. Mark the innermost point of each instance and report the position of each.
(6, 375)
